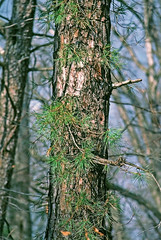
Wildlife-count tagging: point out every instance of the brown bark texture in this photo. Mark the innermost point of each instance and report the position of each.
(18, 35)
(81, 72)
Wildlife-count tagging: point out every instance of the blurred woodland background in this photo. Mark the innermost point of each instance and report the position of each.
(28, 37)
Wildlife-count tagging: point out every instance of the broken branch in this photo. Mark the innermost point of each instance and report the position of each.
(120, 84)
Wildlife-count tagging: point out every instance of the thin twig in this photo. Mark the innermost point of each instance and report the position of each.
(40, 69)
(136, 106)
(21, 193)
(121, 162)
(120, 84)
(74, 139)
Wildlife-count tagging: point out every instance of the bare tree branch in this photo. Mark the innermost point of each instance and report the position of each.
(40, 69)
(40, 46)
(1, 64)
(138, 198)
(120, 84)
(5, 18)
(121, 162)
(132, 10)
(130, 50)
(43, 35)
(18, 192)
(136, 106)
(1, 2)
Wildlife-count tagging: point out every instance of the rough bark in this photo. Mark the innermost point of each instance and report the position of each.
(87, 80)
(17, 52)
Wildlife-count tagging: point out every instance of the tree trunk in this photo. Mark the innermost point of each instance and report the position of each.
(19, 217)
(82, 85)
(17, 53)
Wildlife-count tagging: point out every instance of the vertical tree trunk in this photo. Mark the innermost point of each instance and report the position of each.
(19, 217)
(81, 71)
(17, 53)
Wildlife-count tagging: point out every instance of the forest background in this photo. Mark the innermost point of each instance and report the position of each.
(123, 161)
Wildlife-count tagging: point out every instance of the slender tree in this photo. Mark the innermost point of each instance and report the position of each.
(140, 110)
(18, 34)
(19, 204)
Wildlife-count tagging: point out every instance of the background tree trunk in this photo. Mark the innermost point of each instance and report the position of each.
(139, 109)
(18, 214)
(18, 41)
